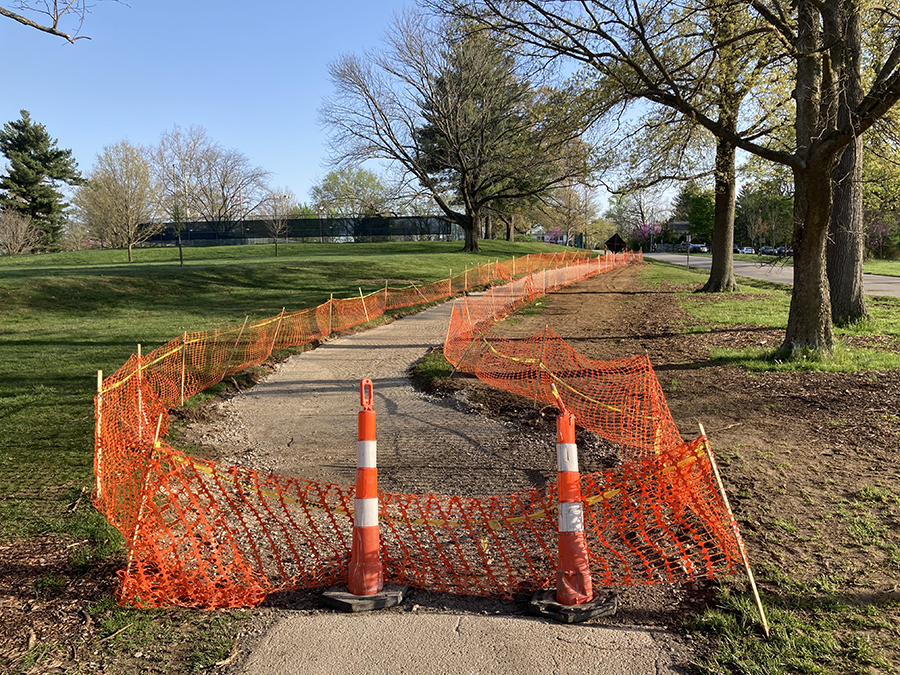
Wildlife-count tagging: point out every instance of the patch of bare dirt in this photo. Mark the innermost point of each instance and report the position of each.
(809, 459)
(44, 598)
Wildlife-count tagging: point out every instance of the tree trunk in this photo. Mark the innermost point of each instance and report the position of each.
(510, 230)
(845, 243)
(130, 256)
(471, 228)
(845, 252)
(809, 322)
(721, 274)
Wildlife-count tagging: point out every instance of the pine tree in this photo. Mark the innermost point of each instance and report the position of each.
(36, 167)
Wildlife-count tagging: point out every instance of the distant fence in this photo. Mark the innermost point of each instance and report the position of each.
(325, 230)
(206, 535)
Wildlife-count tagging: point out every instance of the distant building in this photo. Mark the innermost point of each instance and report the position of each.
(678, 228)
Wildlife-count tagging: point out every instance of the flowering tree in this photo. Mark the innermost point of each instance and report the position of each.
(645, 232)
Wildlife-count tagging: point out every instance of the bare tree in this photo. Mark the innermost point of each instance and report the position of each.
(70, 12)
(117, 203)
(453, 111)
(17, 233)
(571, 208)
(229, 187)
(277, 210)
(198, 179)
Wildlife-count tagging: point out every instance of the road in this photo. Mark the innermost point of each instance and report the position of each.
(875, 284)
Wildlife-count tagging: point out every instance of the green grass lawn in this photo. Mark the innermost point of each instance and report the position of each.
(64, 316)
(766, 303)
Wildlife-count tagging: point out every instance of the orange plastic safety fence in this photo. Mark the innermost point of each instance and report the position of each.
(205, 535)
(210, 536)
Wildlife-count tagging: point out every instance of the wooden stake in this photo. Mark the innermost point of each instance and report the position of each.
(737, 533)
(277, 328)
(98, 445)
(156, 435)
(465, 354)
(330, 314)
(140, 396)
(362, 297)
(236, 343)
(143, 497)
(183, 363)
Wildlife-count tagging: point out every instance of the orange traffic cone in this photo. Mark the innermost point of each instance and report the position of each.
(366, 571)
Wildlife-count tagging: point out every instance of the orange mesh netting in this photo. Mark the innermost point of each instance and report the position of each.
(204, 535)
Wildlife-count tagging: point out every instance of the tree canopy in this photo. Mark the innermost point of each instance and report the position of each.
(350, 192)
(118, 202)
(642, 46)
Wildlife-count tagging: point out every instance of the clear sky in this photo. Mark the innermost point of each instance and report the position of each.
(253, 74)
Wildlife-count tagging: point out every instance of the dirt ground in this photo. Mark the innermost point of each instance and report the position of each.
(809, 462)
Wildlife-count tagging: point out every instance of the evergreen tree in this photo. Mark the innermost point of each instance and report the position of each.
(36, 167)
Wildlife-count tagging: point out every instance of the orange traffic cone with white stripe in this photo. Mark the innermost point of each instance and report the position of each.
(573, 576)
(573, 600)
(366, 571)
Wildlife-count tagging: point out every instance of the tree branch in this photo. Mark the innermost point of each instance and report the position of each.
(52, 30)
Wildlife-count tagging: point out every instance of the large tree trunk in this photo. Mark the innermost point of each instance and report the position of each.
(721, 274)
(845, 242)
(726, 19)
(809, 322)
(471, 227)
(845, 252)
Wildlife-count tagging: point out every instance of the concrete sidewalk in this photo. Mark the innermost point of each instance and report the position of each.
(315, 395)
(420, 644)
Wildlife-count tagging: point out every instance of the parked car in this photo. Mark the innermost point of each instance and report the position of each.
(699, 248)
(781, 250)
(748, 250)
(767, 250)
(682, 247)
(736, 249)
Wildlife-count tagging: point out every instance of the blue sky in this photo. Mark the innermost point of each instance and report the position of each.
(252, 74)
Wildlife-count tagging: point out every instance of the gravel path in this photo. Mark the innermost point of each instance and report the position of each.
(302, 420)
